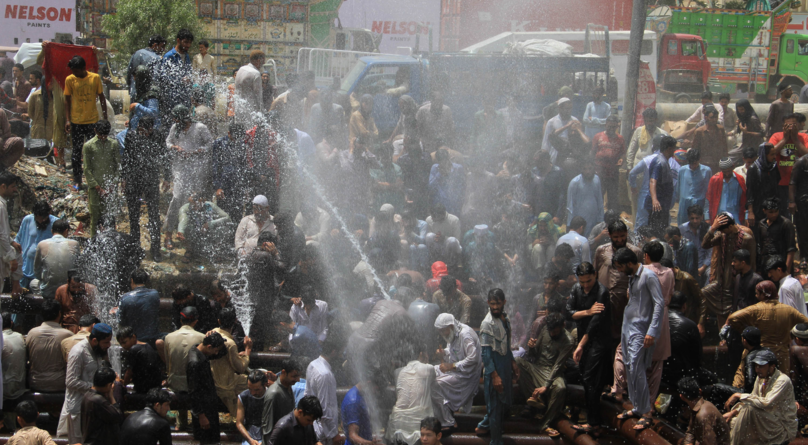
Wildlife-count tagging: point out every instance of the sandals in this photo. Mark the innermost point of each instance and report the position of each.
(628, 414)
(481, 432)
(643, 424)
(585, 428)
(553, 433)
(168, 244)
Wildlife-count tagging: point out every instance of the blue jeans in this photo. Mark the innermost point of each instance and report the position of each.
(495, 410)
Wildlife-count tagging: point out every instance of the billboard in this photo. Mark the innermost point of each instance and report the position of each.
(397, 21)
(36, 20)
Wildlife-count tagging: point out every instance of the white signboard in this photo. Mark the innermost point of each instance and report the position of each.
(36, 20)
(397, 21)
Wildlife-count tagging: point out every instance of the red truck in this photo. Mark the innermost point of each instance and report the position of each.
(682, 68)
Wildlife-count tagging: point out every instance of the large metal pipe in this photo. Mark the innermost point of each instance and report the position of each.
(626, 427)
(680, 112)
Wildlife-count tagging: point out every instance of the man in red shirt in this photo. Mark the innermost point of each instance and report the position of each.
(608, 148)
(790, 145)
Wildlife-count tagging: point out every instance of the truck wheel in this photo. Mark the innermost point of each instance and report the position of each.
(682, 98)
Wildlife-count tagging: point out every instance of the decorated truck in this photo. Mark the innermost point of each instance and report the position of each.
(748, 50)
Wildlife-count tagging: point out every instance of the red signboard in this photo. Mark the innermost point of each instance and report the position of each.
(646, 93)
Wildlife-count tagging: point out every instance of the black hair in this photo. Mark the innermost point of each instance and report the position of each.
(790, 116)
(624, 256)
(649, 113)
(88, 320)
(257, 376)
(77, 62)
(556, 305)
(157, 395)
(431, 424)
(227, 317)
(437, 209)
(180, 292)
(157, 38)
(800, 117)
(553, 276)
(724, 96)
(50, 309)
(654, 250)
(146, 122)
(554, 320)
(310, 407)
(742, 255)
(585, 268)
(185, 34)
(123, 333)
(667, 142)
(673, 231)
(37, 74)
(709, 111)
(214, 340)
(7, 321)
(776, 262)
(27, 411)
(140, 276)
(290, 364)
(19, 66)
(236, 130)
(496, 294)
(7, 178)
(695, 209)
(689, 388)
(218, 284)
(782, 87)
(564, 251)
(678, 300)
(442, 155)
(75, 275)
(693, 155)
(103, 377)
(617, 227)
(772, 203)
(750, 153)
(103, 126)
(577, 221)
(707, 95)
(41, 208)
(447, 283)
(60, 226)
(667, 262)
(204, 43)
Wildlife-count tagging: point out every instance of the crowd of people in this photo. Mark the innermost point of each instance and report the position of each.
(326, 219)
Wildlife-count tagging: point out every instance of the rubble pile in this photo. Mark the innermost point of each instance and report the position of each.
(45, 181)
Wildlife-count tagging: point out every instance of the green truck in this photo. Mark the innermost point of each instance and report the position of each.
(748, 50)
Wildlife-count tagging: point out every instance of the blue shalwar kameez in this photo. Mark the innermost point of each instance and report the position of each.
(495, 339)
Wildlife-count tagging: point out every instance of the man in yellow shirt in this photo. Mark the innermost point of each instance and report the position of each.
(81, 89)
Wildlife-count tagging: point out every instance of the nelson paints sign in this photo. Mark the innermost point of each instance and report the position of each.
(32, 21)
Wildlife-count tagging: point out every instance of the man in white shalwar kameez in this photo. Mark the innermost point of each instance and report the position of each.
(10, 251)
(189, 144)
(642, 321)
(413, 402)
(769, 414)
(457, 378)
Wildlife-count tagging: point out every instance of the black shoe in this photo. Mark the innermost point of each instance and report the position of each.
(157, 256)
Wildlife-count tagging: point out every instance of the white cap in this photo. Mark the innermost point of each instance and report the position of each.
(563, 100)
(480, 229)
(261, 200)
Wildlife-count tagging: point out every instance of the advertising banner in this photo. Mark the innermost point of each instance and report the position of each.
(36, 20)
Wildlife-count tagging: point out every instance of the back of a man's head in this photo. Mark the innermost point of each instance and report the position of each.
(51, 310)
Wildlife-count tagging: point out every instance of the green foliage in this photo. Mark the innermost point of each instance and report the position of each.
(735, 4)
(137, 20)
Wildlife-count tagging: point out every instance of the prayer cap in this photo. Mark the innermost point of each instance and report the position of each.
(189, 313)
(480, 229)
(387, 209)
(563, 100)
(800, 331)
(725, 164)
(563, 91)
(261, 200)
(764, 357)
(102, 329)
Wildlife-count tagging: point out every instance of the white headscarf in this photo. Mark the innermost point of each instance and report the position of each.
(447, 320)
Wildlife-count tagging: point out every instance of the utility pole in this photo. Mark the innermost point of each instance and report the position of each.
(638, 13)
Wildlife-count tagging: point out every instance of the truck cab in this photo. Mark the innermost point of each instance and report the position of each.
(375, 75)
(683, 52)
(793, 60)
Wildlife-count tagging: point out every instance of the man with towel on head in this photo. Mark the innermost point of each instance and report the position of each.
(457, 378)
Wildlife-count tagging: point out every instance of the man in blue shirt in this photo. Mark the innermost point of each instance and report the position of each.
(356, 416)
(727, 191)
(685, 253)
(694, 230)
(33, 229)
(447, 182)
(143, 57)
(175, 75)
(660, 186)
(140, 308)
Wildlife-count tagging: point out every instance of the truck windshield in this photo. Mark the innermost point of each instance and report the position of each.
(353, 75)
(689, 47)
